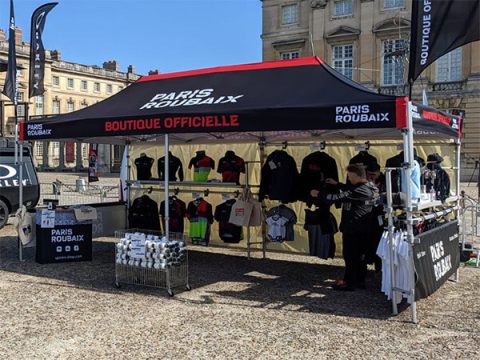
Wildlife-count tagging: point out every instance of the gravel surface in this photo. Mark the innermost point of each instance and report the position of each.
(279, 308)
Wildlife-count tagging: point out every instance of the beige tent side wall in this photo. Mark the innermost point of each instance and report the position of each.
(251, 152)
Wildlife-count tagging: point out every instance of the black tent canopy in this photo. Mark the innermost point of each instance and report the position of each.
(293, 99)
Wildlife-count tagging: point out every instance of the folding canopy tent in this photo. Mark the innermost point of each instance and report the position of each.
(280, 100)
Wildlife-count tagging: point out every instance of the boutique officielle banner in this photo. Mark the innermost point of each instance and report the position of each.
(436, 258)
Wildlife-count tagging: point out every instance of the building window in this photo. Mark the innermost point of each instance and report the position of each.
(85, 151)
(290, 14)
(120, 88)
(393, 4)
(96, 87)
(343, 8)
(449, 66)
(289, 55)
(56, 106)
(70, 106)
(84, 85)
(70, 83)
(109, 88)
(393, 65)
(55, 81)
(83, 104)
(55, 149)
(39, 148)
(19, 72)
(343, 60)
(21, 107)
(39, 105)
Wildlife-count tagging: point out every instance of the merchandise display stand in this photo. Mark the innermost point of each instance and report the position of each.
(176, 187)
(255, 103)
(135, 272)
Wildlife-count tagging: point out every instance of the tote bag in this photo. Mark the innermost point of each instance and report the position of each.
(241, 210)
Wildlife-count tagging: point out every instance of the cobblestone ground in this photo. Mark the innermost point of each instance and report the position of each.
(278, 308)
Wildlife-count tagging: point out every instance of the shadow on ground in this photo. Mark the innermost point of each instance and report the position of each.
(217, 278)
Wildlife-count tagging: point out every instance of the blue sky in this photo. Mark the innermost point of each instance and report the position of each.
(169, 35)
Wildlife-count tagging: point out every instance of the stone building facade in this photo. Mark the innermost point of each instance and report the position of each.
(69, 86)
(367, 41)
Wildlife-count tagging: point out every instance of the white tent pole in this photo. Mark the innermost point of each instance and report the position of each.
(409, 160)
(457, 192)
(127, 183)
(166, 188)
(388, 178)
(20, 194)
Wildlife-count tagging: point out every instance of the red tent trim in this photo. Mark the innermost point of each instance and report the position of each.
(307, 61)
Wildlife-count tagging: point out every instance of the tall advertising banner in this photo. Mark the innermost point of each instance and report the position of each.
(37, 51)
(92, 163)
(438, 27)
(10, 87)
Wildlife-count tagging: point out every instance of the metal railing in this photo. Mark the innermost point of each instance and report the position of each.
(470, 225)
(78, 193)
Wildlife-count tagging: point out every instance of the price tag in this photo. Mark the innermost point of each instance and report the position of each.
(225, 197)
(195, 195)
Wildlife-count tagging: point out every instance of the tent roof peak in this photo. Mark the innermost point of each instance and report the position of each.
(304, 61)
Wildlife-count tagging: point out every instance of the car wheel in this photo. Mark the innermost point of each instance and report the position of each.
(3, 214)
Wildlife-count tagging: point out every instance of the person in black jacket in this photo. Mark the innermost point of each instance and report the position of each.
(279, 179)
(357, 200)
(174, 165)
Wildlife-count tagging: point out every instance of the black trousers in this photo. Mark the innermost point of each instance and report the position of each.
(354, 253)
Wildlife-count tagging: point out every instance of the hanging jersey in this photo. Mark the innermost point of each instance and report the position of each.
(144, 167)
(230, 166)
(174, 166)
(202, 165)
(177, 211)
(199, 212)
(228, 232)
(143, 214)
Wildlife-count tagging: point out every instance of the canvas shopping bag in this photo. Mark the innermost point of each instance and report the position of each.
(241, 211)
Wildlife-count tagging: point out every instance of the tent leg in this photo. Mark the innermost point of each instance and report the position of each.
(409, 161)
(127, 149)
(456, 277)
(388, 178)
(166, 188)
(247, 187)
(20, 193)
(264, 228)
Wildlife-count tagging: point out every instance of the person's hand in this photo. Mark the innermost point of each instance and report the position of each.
(314, 193)
(331, 181)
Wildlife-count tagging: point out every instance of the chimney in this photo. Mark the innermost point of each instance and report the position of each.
(3, 37)
(55, 55)
(131, 69)
(154, 72)
(18, 36)
(112, 65)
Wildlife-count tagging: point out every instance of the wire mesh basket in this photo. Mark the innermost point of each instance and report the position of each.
(143, 257)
